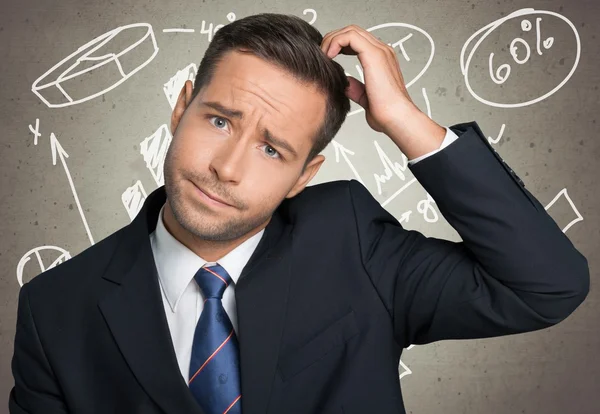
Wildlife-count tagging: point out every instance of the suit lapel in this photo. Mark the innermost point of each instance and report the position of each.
(261, 297)
(135, 314)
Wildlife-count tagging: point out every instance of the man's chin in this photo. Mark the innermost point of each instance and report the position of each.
(203, 224)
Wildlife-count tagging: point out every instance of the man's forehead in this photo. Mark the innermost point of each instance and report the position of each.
(296, 109)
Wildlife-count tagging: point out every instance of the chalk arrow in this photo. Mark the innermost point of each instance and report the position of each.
(343, 151)
(58, 149)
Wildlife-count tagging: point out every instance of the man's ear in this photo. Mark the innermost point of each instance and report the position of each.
(309, 172)
(183, 100)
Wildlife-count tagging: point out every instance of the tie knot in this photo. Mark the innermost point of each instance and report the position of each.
(212, 280)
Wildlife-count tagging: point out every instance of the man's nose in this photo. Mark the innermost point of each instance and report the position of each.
(229, 161)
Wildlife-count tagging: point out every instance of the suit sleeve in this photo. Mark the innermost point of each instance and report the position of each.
(514, 270)
(448, 139)
(36, 390)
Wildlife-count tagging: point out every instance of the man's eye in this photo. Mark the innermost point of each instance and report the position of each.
(218, 117)
(273, 153)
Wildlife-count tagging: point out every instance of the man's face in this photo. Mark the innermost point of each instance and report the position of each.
(229, 157)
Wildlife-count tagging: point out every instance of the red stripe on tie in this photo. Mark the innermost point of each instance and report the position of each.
(232, 404)
(210, 357)
(208, 270)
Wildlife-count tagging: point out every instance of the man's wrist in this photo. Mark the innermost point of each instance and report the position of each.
(414, 132)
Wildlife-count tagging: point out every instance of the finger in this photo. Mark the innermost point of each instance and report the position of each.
(357, 92)
(346, 48)
(327, 38)
(326, 43)
(352, 40)
(377, 42)
(388, 50)
(368, 35)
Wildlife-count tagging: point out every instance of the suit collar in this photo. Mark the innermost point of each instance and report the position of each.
(144, 223)
(177, 264)
(136, 317)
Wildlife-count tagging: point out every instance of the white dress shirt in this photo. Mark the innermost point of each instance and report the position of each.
(182, 298)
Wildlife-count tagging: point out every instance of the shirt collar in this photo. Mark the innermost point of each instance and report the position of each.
(177, 264)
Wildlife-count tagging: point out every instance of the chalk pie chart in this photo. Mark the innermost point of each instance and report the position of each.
(98, 66)
(38, 260)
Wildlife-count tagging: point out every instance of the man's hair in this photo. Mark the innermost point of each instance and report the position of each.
(294, 45)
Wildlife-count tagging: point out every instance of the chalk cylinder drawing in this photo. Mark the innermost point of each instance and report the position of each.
(98, 66)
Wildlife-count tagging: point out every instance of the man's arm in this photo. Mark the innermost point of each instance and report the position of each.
(514, 270)
(36, 390)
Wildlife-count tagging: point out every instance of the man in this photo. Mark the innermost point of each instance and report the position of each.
(238, 289)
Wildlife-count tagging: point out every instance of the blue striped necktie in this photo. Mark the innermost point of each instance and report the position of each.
(214, 378)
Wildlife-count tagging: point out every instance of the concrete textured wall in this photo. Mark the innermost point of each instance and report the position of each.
(537, 105)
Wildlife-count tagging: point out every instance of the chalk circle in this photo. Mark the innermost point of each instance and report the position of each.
(503, 71)
(414, 29)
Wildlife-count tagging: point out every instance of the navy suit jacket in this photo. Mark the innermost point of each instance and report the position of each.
(333, 293)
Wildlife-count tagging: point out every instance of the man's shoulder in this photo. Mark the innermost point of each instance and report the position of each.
(318, 196)
(332, 194)
(77, 270)
(331, 203)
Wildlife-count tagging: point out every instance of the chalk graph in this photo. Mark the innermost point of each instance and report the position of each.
(110, 59)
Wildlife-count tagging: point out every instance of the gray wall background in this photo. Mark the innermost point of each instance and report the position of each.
(53, 210)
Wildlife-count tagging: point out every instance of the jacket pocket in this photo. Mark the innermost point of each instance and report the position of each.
(334, 335)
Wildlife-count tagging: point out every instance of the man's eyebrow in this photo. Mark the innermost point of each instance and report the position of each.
(232, 113)
(267, 135)
(278, 142)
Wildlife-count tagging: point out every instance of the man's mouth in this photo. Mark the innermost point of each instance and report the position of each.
(211, 198)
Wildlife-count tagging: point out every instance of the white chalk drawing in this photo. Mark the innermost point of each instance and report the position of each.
(563, 193)
(58, 149)
(314, 13)
(178, 30)
(399, 191)
(400, 45)
(35, 131)
(394, 168)
(174, 85)
(61, 255)
(403, 370)
(525, 26)
(212, 29)
(424, 207)
(428, 106)
(405, 217)
(133, 199)
(343, 151)
(390, 168)
(502, 73)
(101, 65)
(495, 140)
(153, 149)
